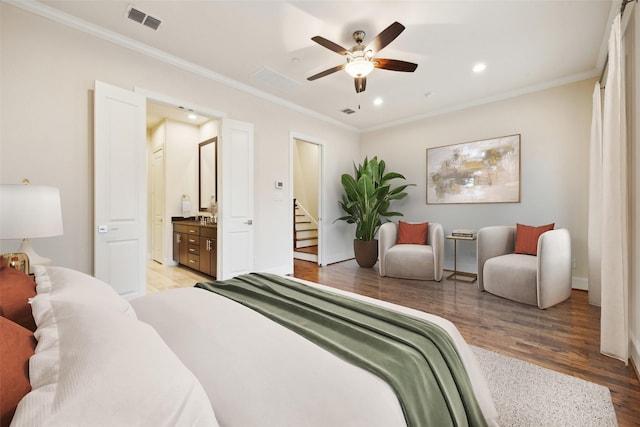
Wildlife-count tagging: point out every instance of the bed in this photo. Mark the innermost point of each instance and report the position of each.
(187, 357)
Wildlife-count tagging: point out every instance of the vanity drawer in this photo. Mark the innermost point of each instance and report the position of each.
(193, 249)
(193, 261)
(193, 240)
(188, 229)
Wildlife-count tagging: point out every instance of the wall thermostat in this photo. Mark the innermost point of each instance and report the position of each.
(279, 185)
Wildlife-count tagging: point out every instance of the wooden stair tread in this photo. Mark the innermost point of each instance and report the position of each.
(308, 250)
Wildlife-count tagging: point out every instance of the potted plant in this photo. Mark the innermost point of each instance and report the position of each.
(366, 200)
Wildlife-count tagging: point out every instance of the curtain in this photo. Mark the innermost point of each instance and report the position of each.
(614, 321)
(594, 233)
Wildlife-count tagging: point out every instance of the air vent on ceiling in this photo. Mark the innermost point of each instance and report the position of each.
(152, 22)
(348, 111)
(274, 79)
(136, 15)
(142, 18)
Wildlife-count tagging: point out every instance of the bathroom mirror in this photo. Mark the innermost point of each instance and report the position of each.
(208, 184)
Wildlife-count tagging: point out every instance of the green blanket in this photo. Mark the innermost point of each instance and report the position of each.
(417, 358)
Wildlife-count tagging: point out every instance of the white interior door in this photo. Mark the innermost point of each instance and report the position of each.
(120, 189)
(236, 200)
(157, 205)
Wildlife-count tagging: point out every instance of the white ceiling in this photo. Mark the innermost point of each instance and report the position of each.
(526, 45)
(158, 112)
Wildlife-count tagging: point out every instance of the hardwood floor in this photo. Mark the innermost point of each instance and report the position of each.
(161, 278)
(564, 338)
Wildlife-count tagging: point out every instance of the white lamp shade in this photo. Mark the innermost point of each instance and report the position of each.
(29, 211)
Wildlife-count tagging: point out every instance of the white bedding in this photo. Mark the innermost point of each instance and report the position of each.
(96, 365)
(205, 361)
(258, 373)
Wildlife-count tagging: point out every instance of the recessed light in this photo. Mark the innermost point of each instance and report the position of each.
(378, 101)
(479, 67)
(192, 116)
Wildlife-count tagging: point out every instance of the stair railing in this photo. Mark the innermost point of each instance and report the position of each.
(306, 212)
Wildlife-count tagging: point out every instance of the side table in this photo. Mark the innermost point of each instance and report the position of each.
(463, 276)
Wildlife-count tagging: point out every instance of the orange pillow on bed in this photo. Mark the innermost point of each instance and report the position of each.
(414, 234)
(18, 345)
(527, 238)
(16, 288)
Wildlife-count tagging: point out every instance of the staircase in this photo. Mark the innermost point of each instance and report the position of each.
(305, 235)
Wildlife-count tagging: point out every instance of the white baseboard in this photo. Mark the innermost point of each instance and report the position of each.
(634, 352)
(334, 258)
(282, 270)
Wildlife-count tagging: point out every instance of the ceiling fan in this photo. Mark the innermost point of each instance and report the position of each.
(360, 60)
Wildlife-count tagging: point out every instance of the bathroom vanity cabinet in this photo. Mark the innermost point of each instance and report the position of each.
(195, 246)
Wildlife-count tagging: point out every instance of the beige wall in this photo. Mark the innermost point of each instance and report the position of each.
(633, 59)
(305, 175)
(181, 166)
(554, 126)
(48, 72)
(180, 148)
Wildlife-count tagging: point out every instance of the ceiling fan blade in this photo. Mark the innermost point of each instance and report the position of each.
(326, 72)
(385, 37)
(361, 84)
(394, 65)
(330, 45)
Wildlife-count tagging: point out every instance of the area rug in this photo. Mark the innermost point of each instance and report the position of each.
(529, 395)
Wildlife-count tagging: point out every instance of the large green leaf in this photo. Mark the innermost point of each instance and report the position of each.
(399, 189)
(392, 175)
(367, 196)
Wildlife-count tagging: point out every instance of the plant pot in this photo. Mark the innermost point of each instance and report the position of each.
(366, 252)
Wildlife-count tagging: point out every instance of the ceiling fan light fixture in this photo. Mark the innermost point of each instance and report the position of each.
(359, 59)
(359, 67)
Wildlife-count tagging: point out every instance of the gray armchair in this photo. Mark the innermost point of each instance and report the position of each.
(411, 261)
(543, 280)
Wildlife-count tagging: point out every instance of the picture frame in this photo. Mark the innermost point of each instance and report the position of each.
(484, 171)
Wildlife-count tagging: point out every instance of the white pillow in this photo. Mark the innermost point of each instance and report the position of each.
(95, 364)
(64, 284)
(97, 367)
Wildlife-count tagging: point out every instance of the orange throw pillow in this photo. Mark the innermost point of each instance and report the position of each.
(16, 288)
(412, 234)
(527, 238)
(18, 345)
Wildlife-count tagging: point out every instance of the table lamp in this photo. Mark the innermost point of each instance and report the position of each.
(29, 212)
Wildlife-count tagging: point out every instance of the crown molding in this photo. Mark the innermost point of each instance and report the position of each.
(482, 101)
(56, 15)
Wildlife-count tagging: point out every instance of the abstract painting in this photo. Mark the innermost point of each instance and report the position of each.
(486, 171)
